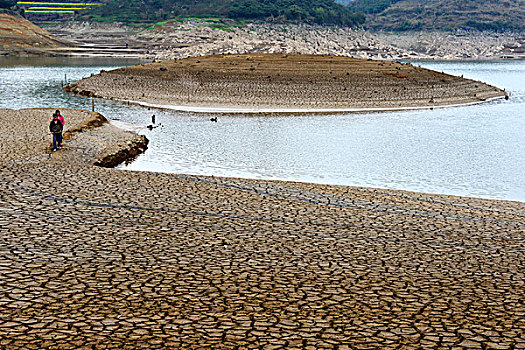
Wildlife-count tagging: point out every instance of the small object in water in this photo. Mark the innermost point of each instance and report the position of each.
(153, 119)
(213, 119)
(151, 126)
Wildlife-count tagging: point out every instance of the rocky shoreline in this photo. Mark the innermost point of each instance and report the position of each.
(201, 37)
(102, 258)
(194, 37)
(286, 83)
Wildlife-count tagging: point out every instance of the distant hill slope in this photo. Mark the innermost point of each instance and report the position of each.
(18, 35)
(401, 15)
(305, 11)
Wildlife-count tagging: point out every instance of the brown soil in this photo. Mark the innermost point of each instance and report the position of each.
(284, 82)
(19, 36)
(94, 258)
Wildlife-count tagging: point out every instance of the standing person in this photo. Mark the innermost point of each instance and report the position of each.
(56, 128)
(63, 121)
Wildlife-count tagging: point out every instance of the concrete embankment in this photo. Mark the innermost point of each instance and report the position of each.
(95, 258)
(265, 82)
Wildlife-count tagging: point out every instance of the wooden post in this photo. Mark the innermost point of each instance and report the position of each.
(65, 79)
(92, 104)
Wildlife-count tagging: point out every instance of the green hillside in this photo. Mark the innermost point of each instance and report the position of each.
(4, 4)
(304, 11)
(401, 15)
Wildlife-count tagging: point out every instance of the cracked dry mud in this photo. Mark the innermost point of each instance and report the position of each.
(95, 258)
(284, 82)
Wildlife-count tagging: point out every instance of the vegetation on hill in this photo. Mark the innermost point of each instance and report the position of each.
(305, 11)
(402, 15)
(5, 4)
(344, 2)
(389, 15)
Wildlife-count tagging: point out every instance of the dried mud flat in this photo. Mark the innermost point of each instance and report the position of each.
(283, 82)
(96, 258)
(89, 138)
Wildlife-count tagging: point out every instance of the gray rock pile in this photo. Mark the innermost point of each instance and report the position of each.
(197, 38)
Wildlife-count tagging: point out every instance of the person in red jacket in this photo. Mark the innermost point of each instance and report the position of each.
(63, 121)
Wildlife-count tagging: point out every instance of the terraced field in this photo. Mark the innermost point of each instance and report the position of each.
(54, 7)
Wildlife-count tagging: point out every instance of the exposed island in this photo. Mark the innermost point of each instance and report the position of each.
(283, 82)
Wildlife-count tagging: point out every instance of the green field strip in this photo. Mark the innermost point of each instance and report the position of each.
(48, 11)
(57, 8)
(58, 3)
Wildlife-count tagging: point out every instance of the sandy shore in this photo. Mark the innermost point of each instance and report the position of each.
(272, 82)
(100, 258)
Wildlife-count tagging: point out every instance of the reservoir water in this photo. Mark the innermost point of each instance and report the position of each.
(476, 151)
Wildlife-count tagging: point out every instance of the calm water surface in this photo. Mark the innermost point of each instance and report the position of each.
(474, 150)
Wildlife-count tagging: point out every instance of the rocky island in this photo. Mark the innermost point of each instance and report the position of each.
(283, 82)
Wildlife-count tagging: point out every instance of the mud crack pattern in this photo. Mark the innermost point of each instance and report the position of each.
(94, 258)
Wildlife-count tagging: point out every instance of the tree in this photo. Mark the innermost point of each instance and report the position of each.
(7, 3)
(319, 15)
(294, 12)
